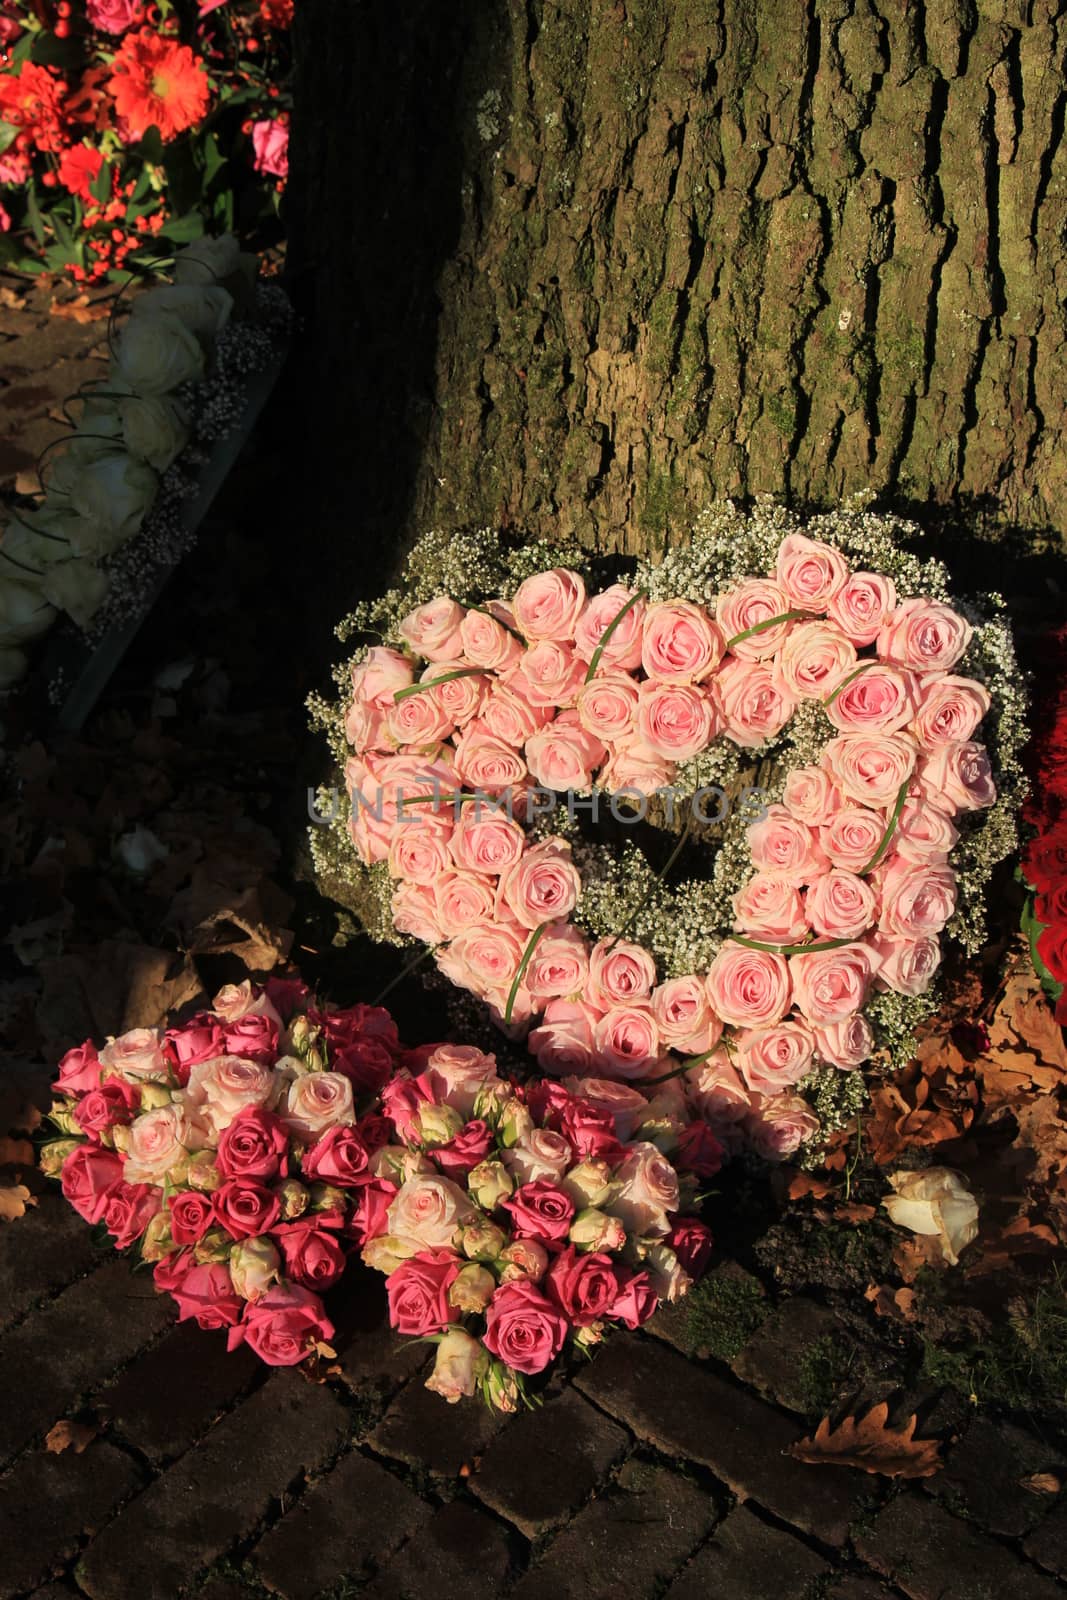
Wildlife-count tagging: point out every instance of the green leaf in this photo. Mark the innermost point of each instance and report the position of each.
(185, 182)
(100, 188)
(181, 229)
(48, 51)
(214, 160)
(1032, 929)
(33, 213)
(8, 134)
(151, 146)
(60, 256)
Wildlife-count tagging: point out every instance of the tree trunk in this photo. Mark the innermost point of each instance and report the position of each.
(580, 268)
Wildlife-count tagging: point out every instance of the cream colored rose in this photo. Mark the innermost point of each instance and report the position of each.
(540, 1154)
(317, 1101)
(208, 260)
(669, 1278)
(24, 612)
(648, 1194)
(203, 308)
(935, 1202)
(159, 1141)
(156, 428)
(255, 1264)
(462, 1362)
(136, 1055)
(225, 1085)
(112, 496)
(430, 1212)
(156, 355)
(77, 587)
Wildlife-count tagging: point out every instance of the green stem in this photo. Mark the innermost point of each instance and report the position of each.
(446, 677)
(485, 611)
(523, 964)
(642, 594)
(789, 949)
(761, 627)
(863, 666)
(902, 795)
(688, 1062)
(406, 970)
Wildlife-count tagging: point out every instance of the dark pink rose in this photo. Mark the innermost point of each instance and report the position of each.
(245, 1209)
(418, 1293)
(89, 1175)
(129, 1209)
(360, 1022)
(698, 1150)
(402, 1099)
(339, 1157)
(113, 1103)
(113, 16)
(253, 1036)
(366, 1061)
(590, 1131)
(172, 1270)
(207, 1293)
(254, 1145)
(524, 1329)
(548, 1101)
(270, 141)
(584, 1287)
(191, 1215)
(374, 1131)
(283, 1326)
(636, 1301)
(312, 1255)
(541, 1210)
(200, 1040)
(79, 1070)
(691, 1241)
(471, 1144)
(370, 1214)
(286, 995)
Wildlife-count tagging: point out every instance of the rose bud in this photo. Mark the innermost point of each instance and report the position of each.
(157, 1241)
(589, 1184)
(214, 1246)
(326, 1197)
(592, 1335)
(668, 1277)
(254, 1266)
(202, 1173)
(482, 1241)
(489, 1183)
(501, 1388)
(155, 1095)
(490, 1102)
(472, 1288)
(515, 1122)
(438, 1124)
(595, 1230)
(62, 1115)
(55, 1153)
(385, 1253)
(303, 1044)
(293, 1199)
(461, 1365)
(524, 1258)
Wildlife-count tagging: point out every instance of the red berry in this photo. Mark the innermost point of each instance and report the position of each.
(49, 180)
(64, 8)
(62, 28)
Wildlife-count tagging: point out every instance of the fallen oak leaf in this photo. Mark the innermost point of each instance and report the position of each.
(1041, 1483)
(854, 1212)
(70, 1436)
(14, 1198)
(869, 1444)
(888, 1302)
(80, 310)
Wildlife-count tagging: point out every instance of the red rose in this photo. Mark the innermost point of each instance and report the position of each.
(590, 1131)
(191, 1215)
(313, 1257)
(698, 1151)
(340, 1157)
(253, 1036)
(548, 1101)
(585, 1287)
(637, 1300)
(245, 1209)
(172, 1270)
(523, 1328)
(541, 1210)
(470, 1145)
(374, 1131)
(359, 1022)
(130, 1208)
(282, 1326)
(370, 1214)
(367, 1063)
(1045, 861)
(418, 1293)
(286, 995)
(79, 1070)
(88, 1178)
(1052, 948)
(208, 1294)
(254, 1145)
(691, 1242)
(1051, 907)
(113, 1103)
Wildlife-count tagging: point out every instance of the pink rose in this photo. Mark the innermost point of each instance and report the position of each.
(648, 1191)
(312, 1255)
(460, 699)
(880, 700)
(635, 768)
(222, 1087)
(418, 1293)
(811, 795)
(692, 1243)
(870, 767)
(861, 606)
(543, 885)
(465, 1150)
(207, 1293)
(522, 1328)
(429, 1212)
(624, 1105)
(200, 1040)
(484, 959)
(637, 1299)
(485, 639)
(254, 1036)
(160, 1140)
(136, 1055)
(839, 905)
(779, 1126)
(415, 912)
(916, 900)
(483, 762)
(559, 965)
(253, 1145)
(681, 643)
(949, 709)
(923, 833)
(607, 706)
(79, 1070)
(623, 648)
(590, 1133)
(924, 635)
(748, 988)
(548, 605)
(485, 841)
(540, 1154)
(128, 1210)
(283, 1326)
(810, 572)
(458, 1074)
(698, 1151)
(110, 1106)
(957, 777)
(540, 1210)
(463, 900)
(420, 719)
(769, 908)
(317, 1101)
(421, 850)
(509, 716)
(523, 1259)
(236, 1000)
(584, 1287)
(564, 755)
(432, 630)
(754, 700)
(829, 985)
(191, 1215)
(245, 1208)
(369, 1216)
(770, 1059)
(784, 847)
(620, 973)
(717, 1092)
(851, 838)
(684, 1017)
(753, 603)
(172, 1270)
(626, 1041)
(815, 658)
(339, 1158)
(113, 16)
(845, 1044)
(907, 965)
(549, 674)
(563, 1042)
(675, 720)
(380, 676)
(270, 141)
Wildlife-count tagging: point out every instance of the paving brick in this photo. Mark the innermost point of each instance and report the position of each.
(984, 1474)
(223, 1589)
(351, 1521)
(461, 1553)
(49, 1249)
(626, 1544)
(216, 1493)
(772, 1359)
(749, 1560)
(420, 1429)
(686, 1411)
(371, 1356)
(48, 1503)
(850, 1586)
(142, 1406)
(932, 1555)
(548, 1462)
(741, 1299)
(73, 1342)
(1047, 1545)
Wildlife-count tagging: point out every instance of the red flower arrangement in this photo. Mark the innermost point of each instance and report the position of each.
(157, 82)
(1044, 864)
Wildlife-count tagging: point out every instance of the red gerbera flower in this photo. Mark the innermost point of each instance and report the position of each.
(158, 82)
(79, 167)
(32, 99)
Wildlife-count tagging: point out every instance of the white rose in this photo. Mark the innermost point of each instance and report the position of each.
(38, 538)
(77, 587)
(668, 1277)
(154, 428)
(224, 1085)
(158, 354)
(540, 1154)
(207, 260)
(935, 1202)
(462, 1362)
(649, 1191)
(254, 1265)
(317, 1101)
(112, 496)
(236, 1000)
(24, 613)
(203, 308)
(428, 1212)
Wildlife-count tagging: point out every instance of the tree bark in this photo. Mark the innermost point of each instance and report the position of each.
(579, 268)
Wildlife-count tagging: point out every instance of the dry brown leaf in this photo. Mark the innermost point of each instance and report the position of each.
(1041, 1483)
(871, 1445)
(854, 1213)
(70, 1436)
(889, 1302)
(803, 1183)
(14, 1198)
(80, 310)
(16, 1153)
